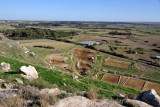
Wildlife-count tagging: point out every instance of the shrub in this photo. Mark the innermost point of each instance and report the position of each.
(92, 94)
(12, 102)
(40, 83)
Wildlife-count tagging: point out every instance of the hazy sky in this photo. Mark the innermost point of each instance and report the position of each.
(81, 10)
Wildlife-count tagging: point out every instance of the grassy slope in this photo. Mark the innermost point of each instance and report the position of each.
(14, 50)
(56, 77)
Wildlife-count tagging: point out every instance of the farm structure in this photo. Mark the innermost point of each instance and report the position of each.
(89, 43)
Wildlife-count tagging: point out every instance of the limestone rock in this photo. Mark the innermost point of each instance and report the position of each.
(135, 103)
(29, 72)
(150, 97)
(8, 86)
(75, 77)
(53, 91)
(19, 81)
(4, 67)
(2, 81)
(79, 101)
(8, 93)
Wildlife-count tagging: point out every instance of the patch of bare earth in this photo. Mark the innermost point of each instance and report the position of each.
(83, 65)
(84, 54)
(150, 85)
(61, 64)
(135, 83)
(117, 63)
(111, 78)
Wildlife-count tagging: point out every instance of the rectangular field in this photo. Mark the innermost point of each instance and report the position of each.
(123, 80)
(135, 83)
(117, 63)
(111, 78)
(150, 85)
(55, 44)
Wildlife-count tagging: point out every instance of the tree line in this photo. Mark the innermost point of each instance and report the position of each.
(37, 33)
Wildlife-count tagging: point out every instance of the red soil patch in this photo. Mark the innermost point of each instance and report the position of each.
(83, 65)
(150, 85)
(61, 64)
(123, 80)
(135, 83)
(111, 78)
(117, 63)
(84, 54)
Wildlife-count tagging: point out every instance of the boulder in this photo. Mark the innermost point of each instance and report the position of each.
(8, 93)
(19, 81)
(8, 86)
(135, 103)
(53, 91)
(4, 67)
(150, 97)
(75, 77)
(29, 72)
(79, 101)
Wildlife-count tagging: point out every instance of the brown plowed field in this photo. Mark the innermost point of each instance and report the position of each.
(150, 85)
(117, 63)
(111, 78)
(61, 64)
(83, 65)
(135, 83)
(84, 54)
(123, 80)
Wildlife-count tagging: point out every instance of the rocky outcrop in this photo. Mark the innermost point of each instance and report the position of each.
(8, 93)
(135, 103)
(53, 91)
(18, 81)
(29, 72)
(79, 101)
(4, 67)
(150, 97)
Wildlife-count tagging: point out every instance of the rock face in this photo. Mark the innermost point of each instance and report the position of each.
(4, 67)
(29, 72)
(79, 101)
(135, 103)
(8, 93)
(150, 97)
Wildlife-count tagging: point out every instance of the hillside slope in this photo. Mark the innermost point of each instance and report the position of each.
(14, 50)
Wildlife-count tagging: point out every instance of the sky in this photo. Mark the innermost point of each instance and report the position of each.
(81, 10)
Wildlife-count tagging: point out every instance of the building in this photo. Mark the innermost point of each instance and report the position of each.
(90, 43)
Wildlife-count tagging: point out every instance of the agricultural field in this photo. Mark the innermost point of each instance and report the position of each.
(150, 85)
(135, 83)
(117, 63)
(111, 78)
(126, 54)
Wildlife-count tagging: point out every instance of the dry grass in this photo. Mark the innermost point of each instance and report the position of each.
(117, 63)
(92, 94)
(55, 44)
(12, 102)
